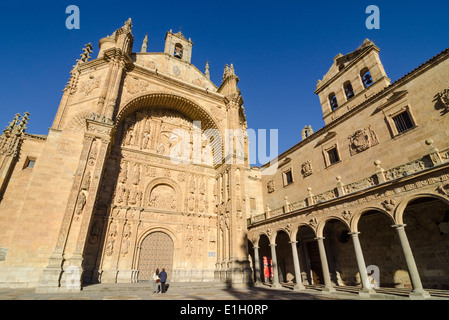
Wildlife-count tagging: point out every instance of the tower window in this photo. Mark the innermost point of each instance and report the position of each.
(333, 101)
(349, 91)
(403, 122)
(178, 51)
(366, 78)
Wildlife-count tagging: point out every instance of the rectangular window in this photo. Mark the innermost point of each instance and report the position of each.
(403, 122)
(29, 163)
(333, 156)
(288, 177)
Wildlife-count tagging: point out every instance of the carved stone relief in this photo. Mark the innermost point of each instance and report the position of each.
(362, 140)
(443, 98)
(163, 197)
(134, 85)
(89, 85)
(306, 169)
(271, 186)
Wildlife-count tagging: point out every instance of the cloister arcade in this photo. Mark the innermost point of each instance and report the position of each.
(391, 238)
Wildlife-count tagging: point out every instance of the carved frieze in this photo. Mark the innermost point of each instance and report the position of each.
(444, 189)
(389, 204)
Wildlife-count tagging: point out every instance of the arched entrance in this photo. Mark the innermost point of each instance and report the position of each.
(156, 251)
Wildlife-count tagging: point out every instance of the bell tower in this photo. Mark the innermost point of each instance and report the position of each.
(177, 46)
(352, 79)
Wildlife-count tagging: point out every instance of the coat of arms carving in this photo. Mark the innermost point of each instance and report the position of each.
(270, 186)
(89, 85)
(306, 169)
(362, 140)
(443, 98)
(134, 85)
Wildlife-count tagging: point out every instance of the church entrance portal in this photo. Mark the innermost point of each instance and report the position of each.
(156, 252)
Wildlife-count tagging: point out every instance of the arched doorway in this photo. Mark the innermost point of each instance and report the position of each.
(382, 249)
(312, 271)
(340, 253)
(156, 251)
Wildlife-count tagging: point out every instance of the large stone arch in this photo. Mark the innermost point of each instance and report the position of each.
(399, 212)
(160, 182)
(356, 218)
(322, 224)
(296, 228)
(154, 230)
(176, 103)
(171, 102)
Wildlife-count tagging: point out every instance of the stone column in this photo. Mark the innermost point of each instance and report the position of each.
(361, 263)
(276, 283)
(298, 286)
(418, 292)
(257, 265)
(327, 279)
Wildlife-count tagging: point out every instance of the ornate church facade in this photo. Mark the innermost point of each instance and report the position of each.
(131, 177)
(138, 172)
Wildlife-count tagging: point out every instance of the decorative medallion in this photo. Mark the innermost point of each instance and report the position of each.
(362, 140)
(134, 85)
(176, 71)
(89, 85)
(306, 169)
(443, 98)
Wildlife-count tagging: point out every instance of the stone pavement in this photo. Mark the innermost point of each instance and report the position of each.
(186, 291)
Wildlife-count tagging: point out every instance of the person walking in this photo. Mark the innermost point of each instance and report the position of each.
(156, 281)
(163, 279)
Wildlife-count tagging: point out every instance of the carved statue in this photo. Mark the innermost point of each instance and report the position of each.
(80, 203)
(144, 44)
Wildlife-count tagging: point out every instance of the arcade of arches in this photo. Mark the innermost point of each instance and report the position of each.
(335, 252)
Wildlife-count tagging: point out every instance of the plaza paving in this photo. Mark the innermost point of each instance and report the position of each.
(195, 291)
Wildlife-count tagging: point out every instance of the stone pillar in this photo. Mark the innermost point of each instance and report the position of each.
(299, 285)
(257, 265)
(327, 279)
(276, 283)
(62, 274)
(418, 292)
(361, 263)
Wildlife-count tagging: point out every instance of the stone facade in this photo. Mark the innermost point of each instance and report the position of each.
(104, 197)
(380, 161)
(136, 174)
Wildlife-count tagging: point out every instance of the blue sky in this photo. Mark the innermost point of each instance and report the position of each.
(279, 48)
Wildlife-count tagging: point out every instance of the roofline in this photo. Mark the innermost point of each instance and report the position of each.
(407, 77)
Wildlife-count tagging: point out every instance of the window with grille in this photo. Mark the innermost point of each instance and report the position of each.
(403, 122)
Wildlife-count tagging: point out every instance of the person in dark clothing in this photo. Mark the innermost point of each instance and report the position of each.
(163, 279)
